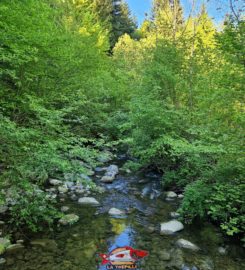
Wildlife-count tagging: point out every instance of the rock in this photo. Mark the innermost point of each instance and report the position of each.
(222, 251)
(185, 267)
(46, 244)
(143, 181)
(2, 261)
(150, 229)
(164, 255)
(110, 174)
(73, 197)
(116, 212)
(174, 215)
(178, 261)
(69, 219)
(194, 268)
(107, 179)
(171, 195)
(171, 227)
(21, 241)
(69, 184)
(3, 209)
(182, 243)
(180, 196)
(62, 189)
(4, 243)
(146, 190)
(64, 209)
(80, 191)
(55, 182)
(100, 190)
(14, 248)
(206, 264)
(2, 222)
(100, 169)
(88, 200)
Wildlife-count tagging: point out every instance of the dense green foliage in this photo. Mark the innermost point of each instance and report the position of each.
(174, 97)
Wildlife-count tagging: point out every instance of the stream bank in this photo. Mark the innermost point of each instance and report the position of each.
(97, 229)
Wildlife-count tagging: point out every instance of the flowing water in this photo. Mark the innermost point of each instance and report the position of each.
(76, 247)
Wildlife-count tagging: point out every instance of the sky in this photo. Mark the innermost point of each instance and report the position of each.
(140, 7)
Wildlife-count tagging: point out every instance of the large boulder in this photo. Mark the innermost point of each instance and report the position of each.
(69, 219)
(110, 174)
(88, 200)
(171, 227)
(182, 243)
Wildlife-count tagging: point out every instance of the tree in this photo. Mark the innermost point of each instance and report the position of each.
(168, 18)
(122, 21)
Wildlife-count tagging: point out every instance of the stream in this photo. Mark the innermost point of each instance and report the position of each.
(76, 247)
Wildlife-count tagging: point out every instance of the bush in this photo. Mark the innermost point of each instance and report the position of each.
(226, 206)
(32, 208)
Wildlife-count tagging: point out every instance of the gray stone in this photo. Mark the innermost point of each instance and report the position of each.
(185, 267)
(110, 174)
(182, 243)
(62, 189)
(88, 200)
(100, 169)
(180, 196)
(222, 250)
(55, 182)
(116, 212)
(174, 215)
(171, 227)
(107, 179)
(69, 184)
(69, 219)
(79, 190)
(2, 222)
(64, 209)
(171, 195)
(73, 197)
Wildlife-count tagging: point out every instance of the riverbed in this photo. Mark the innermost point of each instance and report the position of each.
(77, 246)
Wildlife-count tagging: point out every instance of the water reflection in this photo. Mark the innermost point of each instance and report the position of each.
(125, 236)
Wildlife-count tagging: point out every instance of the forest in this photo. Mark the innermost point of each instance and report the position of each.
(79, 77)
